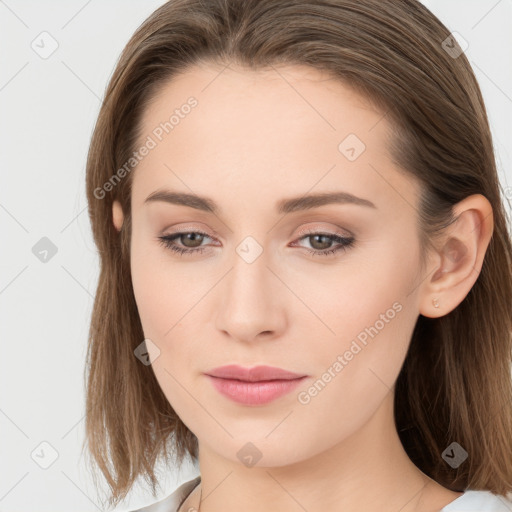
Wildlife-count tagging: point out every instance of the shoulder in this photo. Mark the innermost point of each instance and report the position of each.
(174, 500)
(479, 501)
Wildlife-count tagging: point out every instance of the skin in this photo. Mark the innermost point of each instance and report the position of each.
(253, 139)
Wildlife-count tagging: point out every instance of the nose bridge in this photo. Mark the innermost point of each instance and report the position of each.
(249, 302)
(249, 277)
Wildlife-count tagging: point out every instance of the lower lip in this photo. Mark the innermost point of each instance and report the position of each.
(254, 393)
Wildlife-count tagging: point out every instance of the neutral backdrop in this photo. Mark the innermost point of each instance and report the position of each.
(49, 104)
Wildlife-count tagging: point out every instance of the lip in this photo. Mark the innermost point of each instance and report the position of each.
(253, 386)
(255, 374)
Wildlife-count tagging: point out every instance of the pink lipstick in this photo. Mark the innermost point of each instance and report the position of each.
(253, 386)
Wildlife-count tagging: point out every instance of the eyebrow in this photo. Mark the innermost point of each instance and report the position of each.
(287, 205)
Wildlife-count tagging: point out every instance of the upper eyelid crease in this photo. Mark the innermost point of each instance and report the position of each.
(282, 207)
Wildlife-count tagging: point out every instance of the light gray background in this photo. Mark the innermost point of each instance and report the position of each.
(48, 109)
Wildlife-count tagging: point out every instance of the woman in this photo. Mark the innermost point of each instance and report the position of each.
(305, 264)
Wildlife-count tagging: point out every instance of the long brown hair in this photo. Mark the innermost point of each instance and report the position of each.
(455, 384)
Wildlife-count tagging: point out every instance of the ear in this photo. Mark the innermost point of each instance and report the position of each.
(459, 258)
(117, 215)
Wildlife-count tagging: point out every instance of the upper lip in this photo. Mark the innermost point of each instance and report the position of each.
(257, 373)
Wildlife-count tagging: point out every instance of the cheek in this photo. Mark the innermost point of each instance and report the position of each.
(157, 292)
(367, 318)
(357, 369)
(168, 299)
(166, 287)
(162, 300)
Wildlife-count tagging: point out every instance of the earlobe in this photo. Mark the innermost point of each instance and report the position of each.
(460, 257)
(117, 215)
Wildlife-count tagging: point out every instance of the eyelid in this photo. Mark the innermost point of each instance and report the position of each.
(189, 229)
(303, 231)
(329, 231)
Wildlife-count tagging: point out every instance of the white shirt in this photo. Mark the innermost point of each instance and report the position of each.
(470, 501)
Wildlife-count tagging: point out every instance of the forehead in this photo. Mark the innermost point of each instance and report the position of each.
(282, 130)
(285, 94)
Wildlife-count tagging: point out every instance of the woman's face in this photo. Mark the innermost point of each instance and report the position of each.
(269, 282)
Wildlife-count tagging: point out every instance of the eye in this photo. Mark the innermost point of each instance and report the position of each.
(189, 236)
(192, 242)
(322, 239)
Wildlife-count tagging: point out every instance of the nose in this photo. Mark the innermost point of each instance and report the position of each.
(252, 301)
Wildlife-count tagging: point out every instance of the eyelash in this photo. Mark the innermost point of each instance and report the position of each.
(345, 243)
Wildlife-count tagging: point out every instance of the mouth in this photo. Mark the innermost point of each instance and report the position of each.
(257, 391)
